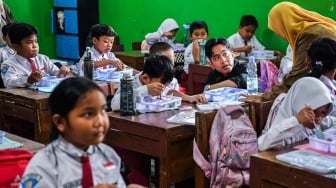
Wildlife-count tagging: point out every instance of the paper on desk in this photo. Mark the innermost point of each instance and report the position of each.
(183, 117)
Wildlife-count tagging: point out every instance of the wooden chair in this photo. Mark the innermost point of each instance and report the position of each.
(136, 45)
(197, 74)
(257, 111)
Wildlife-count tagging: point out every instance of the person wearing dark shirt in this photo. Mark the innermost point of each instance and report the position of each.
(227, 72)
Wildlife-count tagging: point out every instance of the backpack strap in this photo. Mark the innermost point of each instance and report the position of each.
(201, 161)
(235, 111)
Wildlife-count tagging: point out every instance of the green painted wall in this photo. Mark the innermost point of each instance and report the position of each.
(132, 19)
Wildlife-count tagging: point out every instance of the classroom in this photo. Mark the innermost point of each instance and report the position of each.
(233, 118)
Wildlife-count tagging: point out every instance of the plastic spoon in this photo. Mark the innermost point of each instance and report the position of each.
(318, 132)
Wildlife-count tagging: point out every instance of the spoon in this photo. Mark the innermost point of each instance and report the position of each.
(318, 132)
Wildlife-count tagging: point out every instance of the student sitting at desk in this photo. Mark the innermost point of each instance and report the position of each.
(294, 115)
(76, 156)
(244, 41)
(102, 37)
(163, 48)
(7, 51)
(165, 33)
(227, 72)
(27, 66)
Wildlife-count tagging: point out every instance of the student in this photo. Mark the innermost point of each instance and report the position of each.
(244, 41)
(79, 126)
(286, 64)
(27, 66)
(165, 33)
(299, 27)
(157, 73)
(163, 48)
(102, 37)
(294, 114)
(227, 72)
(7, 51)
(322, 55)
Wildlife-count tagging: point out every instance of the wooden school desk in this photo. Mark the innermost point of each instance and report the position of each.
(32, 106)
(266, 171)
(134, 59)
(27, 144)
(152, 135)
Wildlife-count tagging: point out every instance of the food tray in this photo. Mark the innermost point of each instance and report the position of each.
(157, 104)
(111, 74)
(327, 145)
(224, 94)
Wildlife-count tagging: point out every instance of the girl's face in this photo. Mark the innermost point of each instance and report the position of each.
(87, 123)
(321, 113)
(199, 34)
(103, 44)
(28, 48)
(222, 59)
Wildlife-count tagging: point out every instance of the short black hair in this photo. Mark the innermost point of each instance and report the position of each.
(18, 31)
(5, 28)
(159, 66)
(99, 30)
(198, 25)
(158, 47)
(213, 42)
(247, 20)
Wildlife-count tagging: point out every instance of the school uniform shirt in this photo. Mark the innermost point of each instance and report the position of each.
(189, 58)
(6, 52)
(59, 165)
(286, 64)
(168, 24)
(16, 70)
(96, 56)
(237, 75)
(282, 127)
(237, 41)
(141, 91)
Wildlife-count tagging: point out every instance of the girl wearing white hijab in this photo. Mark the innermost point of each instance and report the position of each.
(165, 33)
(294, 114)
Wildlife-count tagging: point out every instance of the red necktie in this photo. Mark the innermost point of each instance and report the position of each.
(245, 43)
(32, 64)
(87, 180)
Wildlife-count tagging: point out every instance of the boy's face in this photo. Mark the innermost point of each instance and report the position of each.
(247, 32)
(28, 48)
(146, 79)
(103, 44)
(199, 34)
(87, 123)
(222, 59)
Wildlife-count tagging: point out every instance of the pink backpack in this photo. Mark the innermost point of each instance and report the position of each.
(232, 140)
(268, 75)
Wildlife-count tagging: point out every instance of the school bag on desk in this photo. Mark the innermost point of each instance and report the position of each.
(231, 142)
(13, 162)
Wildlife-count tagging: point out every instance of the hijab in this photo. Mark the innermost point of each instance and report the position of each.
(307, 91)
(288, 20)
(168, 24)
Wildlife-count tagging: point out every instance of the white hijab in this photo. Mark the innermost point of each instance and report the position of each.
(307, 91)
(168, 25)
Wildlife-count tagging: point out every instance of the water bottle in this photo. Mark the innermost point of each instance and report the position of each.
(252, 77)
(88, 64)
(186, 34)
(127, 99)
(202, 58)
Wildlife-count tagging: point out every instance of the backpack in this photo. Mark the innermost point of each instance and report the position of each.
(13, 162)
(268, 75)
(232, 140)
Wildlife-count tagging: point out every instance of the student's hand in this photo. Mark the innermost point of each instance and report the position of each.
(247, 49)
(306, 117)
(155, 88)
(34, 77)
(65, 71)
(200, 98)
(118, 64)
(195, 50)
(168, 34)
(252, 98)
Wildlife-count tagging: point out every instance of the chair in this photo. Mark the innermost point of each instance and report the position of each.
(136, 45)
(257, 111)
(197, 74)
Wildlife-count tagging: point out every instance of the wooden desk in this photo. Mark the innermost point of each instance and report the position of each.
(266, 171)
(152, 135)
(27, 144)
(134, 59)
(31, 106)
(197, 73)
